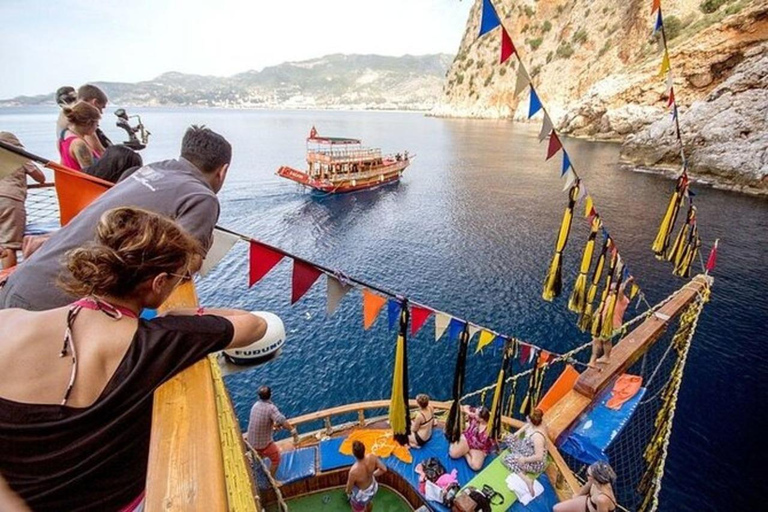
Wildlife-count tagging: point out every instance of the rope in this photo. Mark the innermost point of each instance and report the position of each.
(270, 478)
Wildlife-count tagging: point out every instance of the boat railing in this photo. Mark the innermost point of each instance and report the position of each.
(342, 156)
(564, 480)
(394, 166)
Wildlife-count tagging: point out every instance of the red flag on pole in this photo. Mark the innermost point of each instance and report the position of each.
(712, 260)
(312, 133)
(507, 46)
(554, 145)
(419, 315)
(525, 353)
(262, 259)
(304, 276)
(655, 6)
(671, 97)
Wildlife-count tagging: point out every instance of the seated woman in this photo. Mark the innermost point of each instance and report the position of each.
(116, 160)
(474, 444)
(421, 426)
(527, 448)
(594, 496)
(76, 383)
(82, 121)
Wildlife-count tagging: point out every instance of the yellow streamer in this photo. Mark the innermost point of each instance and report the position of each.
(397, 405)
(577, 302)
(553, 283)
(661, 242)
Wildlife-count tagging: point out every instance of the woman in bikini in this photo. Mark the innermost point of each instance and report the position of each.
(74, 150)
(594, 496)
(76, 383)
(422, 424)
(528, 449)
(474, 444)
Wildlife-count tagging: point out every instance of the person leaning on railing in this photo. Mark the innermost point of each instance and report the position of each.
(77, 382)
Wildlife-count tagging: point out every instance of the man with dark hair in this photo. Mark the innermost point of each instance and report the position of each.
(361, 482)
(178, 189)
(66, 97)
(93, 95)
(265, 417)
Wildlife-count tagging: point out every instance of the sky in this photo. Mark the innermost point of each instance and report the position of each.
(45, 44)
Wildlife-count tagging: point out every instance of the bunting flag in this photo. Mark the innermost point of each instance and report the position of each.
(566, 165)
(335, 291)
(262, 260)
(570, 179)
(489, 20)
(670, 81)
(546, 127)
(304, 276)
(393, 312)
(453, 423)
(655, 6)
(589, 207)
(661, 243)
(399, 419)
(486, 338)
(664, 63)
(441, 324)
(554, 146)
(473, 329)
(535, 105)
(525, 353)
(419, 316)
(553, 283)
(578, 300)
(494, 421)
(456, 327)
(372, 305)
(659, 23)
(585, 320)
(633, 291)
(671, 97)
(221, 245)
(522, 81)
(712, 260)
(507, 47)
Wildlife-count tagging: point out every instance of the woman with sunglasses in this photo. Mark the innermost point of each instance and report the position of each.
(76, 383)
(594, 496)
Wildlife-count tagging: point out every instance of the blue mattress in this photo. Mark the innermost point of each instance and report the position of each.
(294, 465)
(330, 456)
(42, 228)
(597, 428)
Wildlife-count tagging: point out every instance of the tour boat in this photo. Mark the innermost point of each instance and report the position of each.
(337, 165)
(198, 459)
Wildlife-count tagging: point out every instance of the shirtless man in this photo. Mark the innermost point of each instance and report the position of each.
(422, 424)
(361, 483)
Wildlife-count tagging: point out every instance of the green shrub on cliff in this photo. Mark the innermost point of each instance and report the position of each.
(710, 6)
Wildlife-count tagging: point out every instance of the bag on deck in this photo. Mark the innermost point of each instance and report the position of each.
(433, 469)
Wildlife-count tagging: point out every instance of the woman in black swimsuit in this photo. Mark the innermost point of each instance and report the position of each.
(423, 423)
(594, 496)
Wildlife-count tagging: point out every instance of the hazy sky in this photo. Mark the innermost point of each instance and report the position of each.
(48, 43)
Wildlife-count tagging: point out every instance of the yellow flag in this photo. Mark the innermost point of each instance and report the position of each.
(485, 338)
(633, 290)
(588, 206)
(664, 63)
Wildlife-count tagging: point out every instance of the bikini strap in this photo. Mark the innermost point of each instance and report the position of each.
(69, 347)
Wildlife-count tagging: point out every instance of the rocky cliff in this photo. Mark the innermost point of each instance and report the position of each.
(595, 65)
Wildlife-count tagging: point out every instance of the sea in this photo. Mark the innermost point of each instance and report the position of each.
(470, 230)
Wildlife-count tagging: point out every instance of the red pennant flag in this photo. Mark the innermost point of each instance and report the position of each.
(262, 259)
(507, 46)
(656, 5)
(712, 260)
(419, 315)
(671, 98)
(304, 276)
(543, 358)
(525, 353)
(554, 145)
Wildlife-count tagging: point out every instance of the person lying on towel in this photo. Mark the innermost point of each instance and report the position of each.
(361, 483)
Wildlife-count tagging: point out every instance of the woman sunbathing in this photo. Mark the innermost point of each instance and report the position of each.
(474, 444)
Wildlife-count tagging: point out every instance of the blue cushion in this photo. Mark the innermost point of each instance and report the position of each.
(294, 465)
(330, 456)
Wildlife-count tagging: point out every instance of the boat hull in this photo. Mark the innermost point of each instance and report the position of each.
(389, 174)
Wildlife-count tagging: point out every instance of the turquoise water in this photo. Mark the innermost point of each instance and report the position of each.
(470, 230)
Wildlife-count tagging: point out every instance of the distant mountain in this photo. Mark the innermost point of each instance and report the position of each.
(334, 81)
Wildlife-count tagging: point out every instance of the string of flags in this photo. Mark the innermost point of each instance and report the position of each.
(263, 258)
(577, 192)
(682, 253)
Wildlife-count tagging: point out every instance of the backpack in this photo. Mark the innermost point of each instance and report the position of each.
(433, 469)
(450, 493)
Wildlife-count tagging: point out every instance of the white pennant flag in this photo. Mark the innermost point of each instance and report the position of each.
(669, 81)
(472, 329)
(546, 128)
(570, 177)
(335, 291)
(441, 324)
(222, 243)
(523, 81)
(582, 192)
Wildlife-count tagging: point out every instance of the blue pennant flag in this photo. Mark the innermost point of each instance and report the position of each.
(393, 312)
(691, 192)
(490, 19)
(535, 104)
(625, 274)
(566, 163)
(658, 22)
(674, 111)
(455, 328)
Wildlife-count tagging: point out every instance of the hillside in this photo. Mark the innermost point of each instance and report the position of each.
(595, 65)
(333, 81)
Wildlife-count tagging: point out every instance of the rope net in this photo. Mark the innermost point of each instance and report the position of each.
(639, 451)
(42, 205)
